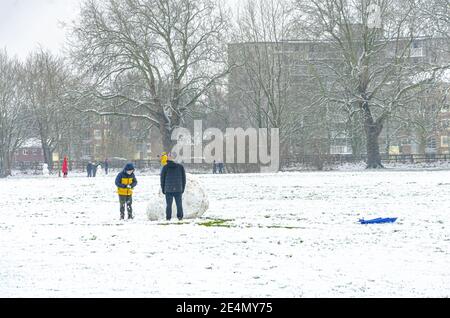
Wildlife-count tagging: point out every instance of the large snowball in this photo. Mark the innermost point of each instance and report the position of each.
(195, 201)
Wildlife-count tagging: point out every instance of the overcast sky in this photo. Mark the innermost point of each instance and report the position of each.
(26, 24)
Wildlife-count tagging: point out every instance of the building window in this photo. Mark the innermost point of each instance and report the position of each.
(337, 150)
(417, 52)
(431, 143)
(405, 142)
(444, 141)
(86, 150)
(25, 152)
(97, 134)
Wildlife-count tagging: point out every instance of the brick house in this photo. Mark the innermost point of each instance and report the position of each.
(30, 151)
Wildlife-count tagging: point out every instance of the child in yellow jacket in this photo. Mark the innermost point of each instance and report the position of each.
(125, 182)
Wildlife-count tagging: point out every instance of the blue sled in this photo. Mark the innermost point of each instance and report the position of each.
(378, 220)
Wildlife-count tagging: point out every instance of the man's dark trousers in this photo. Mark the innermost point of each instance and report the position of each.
(178, 202)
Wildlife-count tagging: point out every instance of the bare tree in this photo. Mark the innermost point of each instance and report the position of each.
(14, 122)
(154, 58)
(262, 79)
(47, 81)
(437, 16)
(424, 117)
(377, 75)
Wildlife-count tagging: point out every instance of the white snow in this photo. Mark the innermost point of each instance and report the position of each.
(32, 143)
(292, 234)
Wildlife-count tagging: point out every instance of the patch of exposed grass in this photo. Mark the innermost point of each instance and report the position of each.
(210, 222)
(216, 222)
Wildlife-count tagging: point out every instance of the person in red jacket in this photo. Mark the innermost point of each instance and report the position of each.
(65, 167)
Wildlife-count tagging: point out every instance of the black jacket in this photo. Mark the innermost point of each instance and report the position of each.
(173, 178)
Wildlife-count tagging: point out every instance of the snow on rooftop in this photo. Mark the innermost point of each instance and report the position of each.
(32, 143)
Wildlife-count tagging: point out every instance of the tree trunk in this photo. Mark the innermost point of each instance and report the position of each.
(2, 163)
(5, 165)
(3, 168)
(373, 131)
(166, 131)
(48, 159)
(318, 161)
(422, 144)
(166, 134)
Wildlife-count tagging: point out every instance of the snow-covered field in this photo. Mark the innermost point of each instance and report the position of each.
(287, 235)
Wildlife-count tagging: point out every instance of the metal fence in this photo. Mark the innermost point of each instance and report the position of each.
(80, 166)
(339, 159)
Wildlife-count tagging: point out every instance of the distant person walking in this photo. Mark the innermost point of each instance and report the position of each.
(106, 165)
(94, 169)
(65, 167)
(125, 182)
(220, 165)
(173, 183)
(214, 167)
(89, 169)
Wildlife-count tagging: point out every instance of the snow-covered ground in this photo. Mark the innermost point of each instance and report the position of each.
(292, 234)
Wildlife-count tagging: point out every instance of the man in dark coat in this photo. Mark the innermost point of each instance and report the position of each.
(94, 169)
(125, 182)
(89, 169)
(173, 182)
